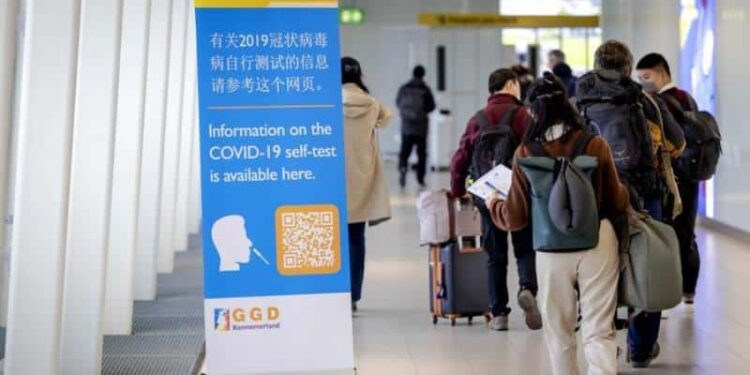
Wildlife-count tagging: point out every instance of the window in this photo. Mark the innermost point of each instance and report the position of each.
(577, 43)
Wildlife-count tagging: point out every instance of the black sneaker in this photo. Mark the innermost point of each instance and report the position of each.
(647, 362)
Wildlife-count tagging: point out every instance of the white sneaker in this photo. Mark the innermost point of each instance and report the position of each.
(665, 314)
(688, 308)
(499, 323)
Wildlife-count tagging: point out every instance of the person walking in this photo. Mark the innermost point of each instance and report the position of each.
(592, 274)
(367, 187)
(655, 76)
(554, 58)
(644, 137)
(414, 102)
(565, 73)
(504, 100)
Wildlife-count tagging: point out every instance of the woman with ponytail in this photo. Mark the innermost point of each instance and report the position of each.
(557, 128)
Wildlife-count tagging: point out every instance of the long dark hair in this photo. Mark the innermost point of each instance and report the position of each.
(351, 72)
(550, 106)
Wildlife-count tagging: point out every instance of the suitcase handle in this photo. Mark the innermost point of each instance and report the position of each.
(442, 293)
(464, 204)
(474, 247)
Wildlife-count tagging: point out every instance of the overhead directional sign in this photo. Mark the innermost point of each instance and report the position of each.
(498, 20)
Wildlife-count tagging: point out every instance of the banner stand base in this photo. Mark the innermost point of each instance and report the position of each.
(341, 372)
(329, 372)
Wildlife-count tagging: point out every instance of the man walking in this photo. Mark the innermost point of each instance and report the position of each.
(617, 106)
(415, 102)
(655, 76)
(504, 100)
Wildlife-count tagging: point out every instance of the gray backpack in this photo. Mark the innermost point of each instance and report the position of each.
(564, 211)
(650, 271)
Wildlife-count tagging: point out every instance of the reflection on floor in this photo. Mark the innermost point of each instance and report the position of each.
(394, 332)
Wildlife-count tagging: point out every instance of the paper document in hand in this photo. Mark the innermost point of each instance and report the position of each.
(496, 180)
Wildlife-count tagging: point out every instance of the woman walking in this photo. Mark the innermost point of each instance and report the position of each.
(559, 130)
(367, 187)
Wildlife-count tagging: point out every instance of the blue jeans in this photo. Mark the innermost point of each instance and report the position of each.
(357, 258)
(643, 331)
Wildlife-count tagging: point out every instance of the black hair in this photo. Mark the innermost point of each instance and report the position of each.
(653, 61)
(550, 106)
(614, 55)
(351, 72)
(499, 78)
(557, 53)
(562, 70)
(418, 71)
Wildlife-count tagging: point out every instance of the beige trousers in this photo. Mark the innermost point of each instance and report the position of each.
(595, 272)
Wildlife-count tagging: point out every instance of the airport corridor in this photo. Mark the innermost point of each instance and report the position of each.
(393, 330)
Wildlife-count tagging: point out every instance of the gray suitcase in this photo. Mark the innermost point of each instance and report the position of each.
(458, 281)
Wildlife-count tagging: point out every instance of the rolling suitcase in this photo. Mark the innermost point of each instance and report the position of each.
(458, 280)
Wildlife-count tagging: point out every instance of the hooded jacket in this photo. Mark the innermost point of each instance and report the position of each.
(367, 187)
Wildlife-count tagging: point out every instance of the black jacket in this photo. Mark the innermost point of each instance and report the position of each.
(415, 121)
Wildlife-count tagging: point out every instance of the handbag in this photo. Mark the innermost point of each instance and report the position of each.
(442, 219)
(650, 269)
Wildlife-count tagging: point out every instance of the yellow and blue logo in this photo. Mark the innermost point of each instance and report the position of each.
(222, 320)
(241, 319)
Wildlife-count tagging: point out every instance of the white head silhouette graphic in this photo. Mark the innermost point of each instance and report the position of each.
(231, 242)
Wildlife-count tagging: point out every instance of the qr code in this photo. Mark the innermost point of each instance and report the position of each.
(308, 240)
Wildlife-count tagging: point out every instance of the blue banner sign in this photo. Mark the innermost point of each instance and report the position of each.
(274, 189)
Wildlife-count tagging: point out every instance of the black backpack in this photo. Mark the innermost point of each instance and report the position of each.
(495, 144)
(701, 156)
(411, 104)
(611, 105)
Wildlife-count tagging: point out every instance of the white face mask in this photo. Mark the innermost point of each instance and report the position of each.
(649, 86)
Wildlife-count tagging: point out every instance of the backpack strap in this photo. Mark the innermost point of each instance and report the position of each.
(537, 148)
(509, 116)
(674, 106)
(582, 144)
(482, 120)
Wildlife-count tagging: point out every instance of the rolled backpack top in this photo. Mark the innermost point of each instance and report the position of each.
(564, 210)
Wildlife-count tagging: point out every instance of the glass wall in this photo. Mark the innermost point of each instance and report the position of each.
(731, 190)
(578, 44)
(698, 68)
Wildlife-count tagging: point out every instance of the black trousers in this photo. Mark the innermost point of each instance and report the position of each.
(496, 246)
(684, 226)
(407, 145)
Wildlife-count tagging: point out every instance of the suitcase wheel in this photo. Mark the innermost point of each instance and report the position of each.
(471, 320)
(453, 322)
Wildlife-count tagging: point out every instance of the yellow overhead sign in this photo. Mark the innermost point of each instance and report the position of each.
(264, 3)
(498, 20)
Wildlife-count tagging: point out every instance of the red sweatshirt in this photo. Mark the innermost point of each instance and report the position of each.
(497, 106)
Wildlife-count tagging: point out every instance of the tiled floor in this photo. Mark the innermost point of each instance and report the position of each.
(394, 332)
